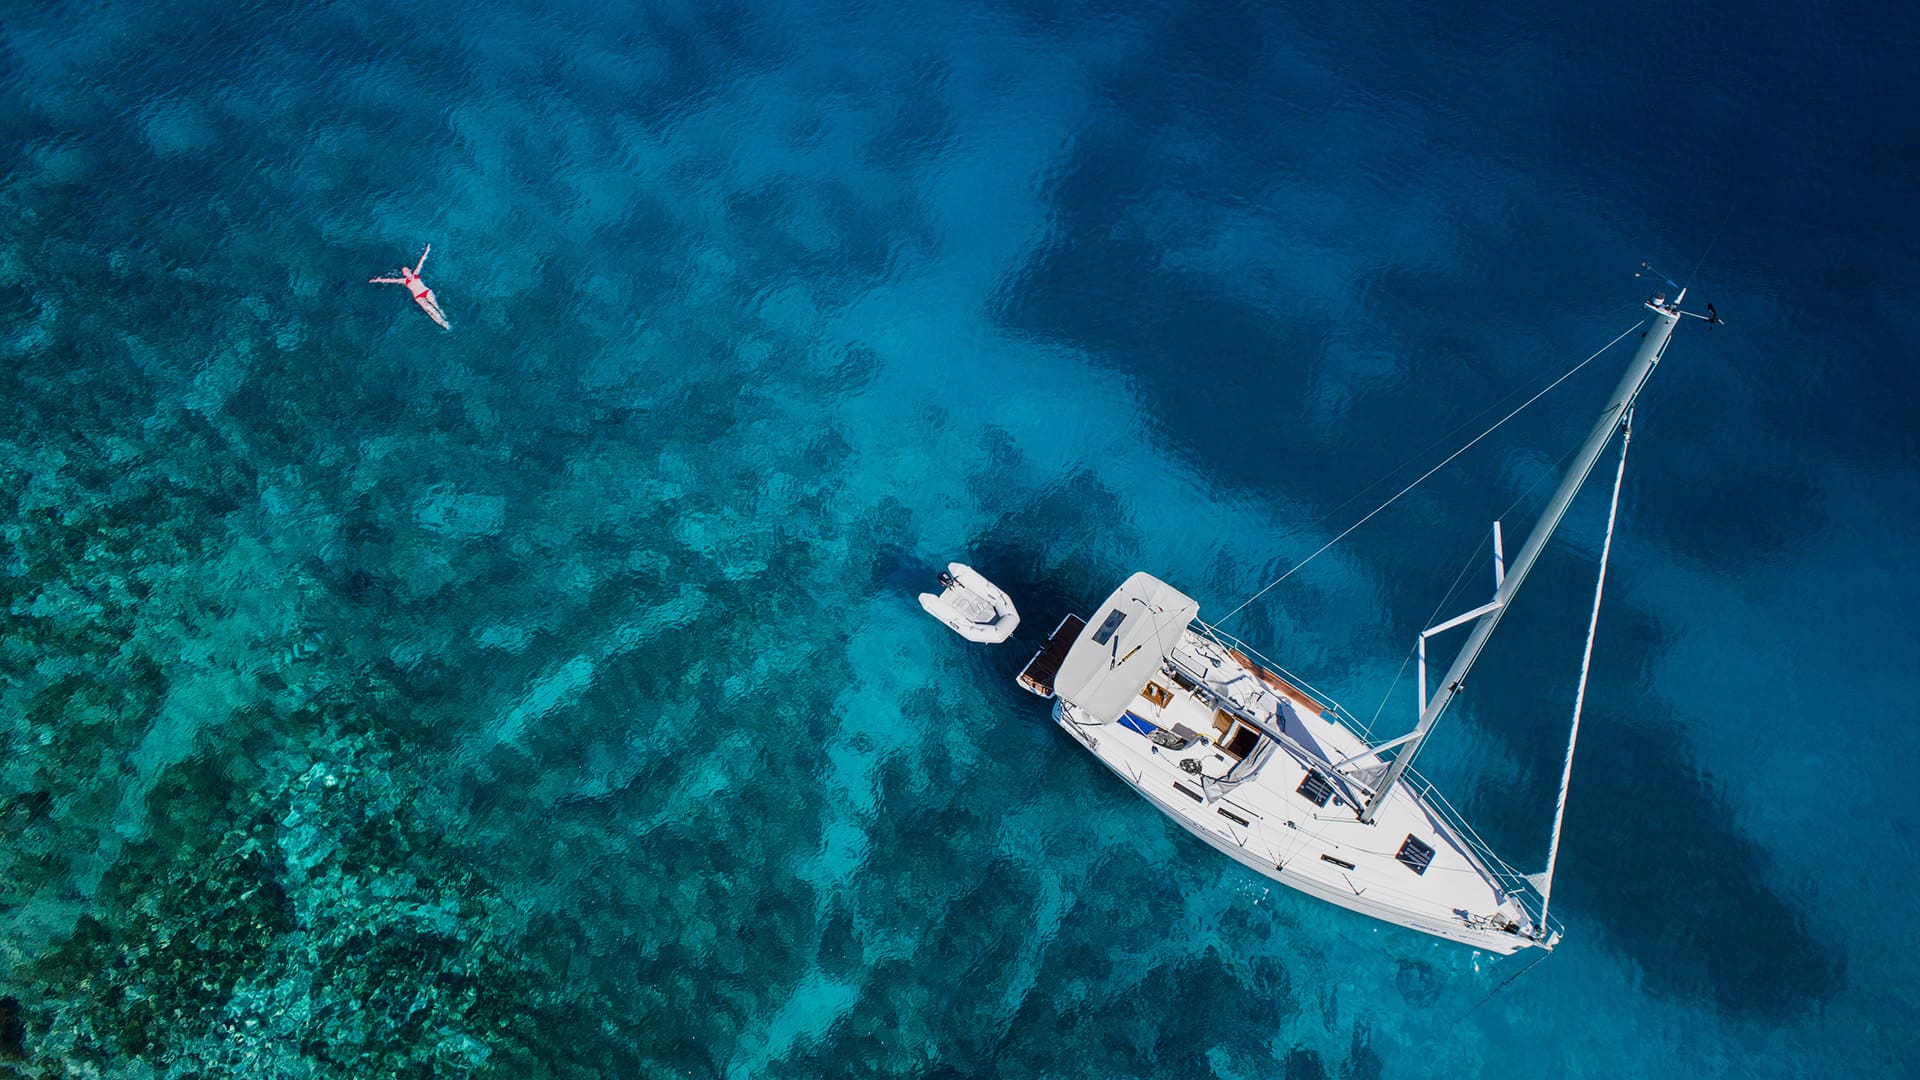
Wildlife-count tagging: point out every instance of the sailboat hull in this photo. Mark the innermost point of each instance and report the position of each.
(1229, 745)
(1261, 770)
(1222, 840)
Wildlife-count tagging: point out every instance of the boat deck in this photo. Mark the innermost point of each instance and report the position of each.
(1040, 671)
(1293, 818)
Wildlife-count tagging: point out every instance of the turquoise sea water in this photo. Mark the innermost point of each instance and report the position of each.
(549, 697)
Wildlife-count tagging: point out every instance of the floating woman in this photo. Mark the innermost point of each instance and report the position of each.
(421, 294)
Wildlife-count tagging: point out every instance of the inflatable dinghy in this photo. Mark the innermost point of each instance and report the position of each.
(972, 606)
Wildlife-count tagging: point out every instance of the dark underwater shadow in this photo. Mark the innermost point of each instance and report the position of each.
(1654, 861)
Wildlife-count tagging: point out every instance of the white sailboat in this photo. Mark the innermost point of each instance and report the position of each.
(1252, 760)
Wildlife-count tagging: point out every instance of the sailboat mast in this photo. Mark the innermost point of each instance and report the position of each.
(1653, 344)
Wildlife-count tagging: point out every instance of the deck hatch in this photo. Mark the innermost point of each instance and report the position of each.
(1417, 854)
(1108, 626)
(1315, 789)
(1242, 743)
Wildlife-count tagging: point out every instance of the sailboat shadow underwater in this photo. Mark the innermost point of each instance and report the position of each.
(1252, 760)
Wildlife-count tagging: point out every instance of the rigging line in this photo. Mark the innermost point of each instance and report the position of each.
(1461, 576)
(1558, 470)
(1586, 663)
(1544, 953)
(1423, 476)
(1455, 430)
(1724, 218)
(1431, 619)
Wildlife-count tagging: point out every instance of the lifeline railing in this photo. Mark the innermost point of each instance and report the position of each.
(1513, 882)
(1334, 709)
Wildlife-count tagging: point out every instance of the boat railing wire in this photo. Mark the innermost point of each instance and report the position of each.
(1334, 709)
(1513, 882)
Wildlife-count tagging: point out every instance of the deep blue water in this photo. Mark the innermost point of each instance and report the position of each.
(549, 698)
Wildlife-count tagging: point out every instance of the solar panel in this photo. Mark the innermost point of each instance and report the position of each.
(1316, 789)
(1416, 854)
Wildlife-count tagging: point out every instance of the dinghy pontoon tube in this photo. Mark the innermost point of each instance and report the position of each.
(972, 606)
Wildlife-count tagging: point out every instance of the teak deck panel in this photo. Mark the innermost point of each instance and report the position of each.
(1040, 671)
